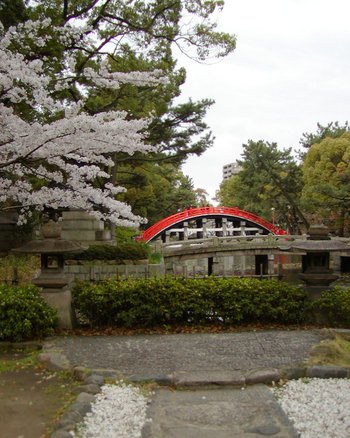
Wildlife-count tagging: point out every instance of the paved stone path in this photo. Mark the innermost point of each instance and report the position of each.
(217, 413)
(203, 362)
(160, 355)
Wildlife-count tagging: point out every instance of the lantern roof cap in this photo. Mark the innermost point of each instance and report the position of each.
(318, 240)
(320, 245)
(50, 246)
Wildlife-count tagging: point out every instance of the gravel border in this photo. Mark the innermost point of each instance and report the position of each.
(118, 411)
(317, 407)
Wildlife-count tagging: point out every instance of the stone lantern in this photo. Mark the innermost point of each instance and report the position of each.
(52, 280)
(315, 251)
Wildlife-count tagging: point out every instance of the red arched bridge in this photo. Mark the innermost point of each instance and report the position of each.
(204, 222)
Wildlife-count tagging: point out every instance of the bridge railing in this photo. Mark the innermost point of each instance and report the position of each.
(257, 239)
(198, 212)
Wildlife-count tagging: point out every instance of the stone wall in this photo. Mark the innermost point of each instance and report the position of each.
(221, 266)
(234, 265)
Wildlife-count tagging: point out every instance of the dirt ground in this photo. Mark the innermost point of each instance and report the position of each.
(31, 398)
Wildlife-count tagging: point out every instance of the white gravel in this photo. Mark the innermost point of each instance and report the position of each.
(119, 411)
(319, 408)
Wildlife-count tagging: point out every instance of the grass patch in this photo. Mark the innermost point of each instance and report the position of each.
(334, 351)
(12, 358)
(62, 390)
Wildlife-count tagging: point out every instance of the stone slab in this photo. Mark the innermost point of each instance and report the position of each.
(222, 413)
(209, 377)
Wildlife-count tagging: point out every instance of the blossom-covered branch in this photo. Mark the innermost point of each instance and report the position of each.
(51, 151)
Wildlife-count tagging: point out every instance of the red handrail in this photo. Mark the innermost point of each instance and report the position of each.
(190, 213)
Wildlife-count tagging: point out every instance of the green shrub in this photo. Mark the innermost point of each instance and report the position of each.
(24, 314)
(170, 300)
(333, 307)
(126, 234)
(124, 251)
(155, 257)
(18, 267)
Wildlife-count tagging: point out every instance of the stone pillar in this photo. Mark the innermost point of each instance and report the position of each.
(185, 231)
(205, 226)
(224, 227)
(169, 267)
(218, 266)
(61, 301)
(271, 264)
(336, 263)
(199, 224)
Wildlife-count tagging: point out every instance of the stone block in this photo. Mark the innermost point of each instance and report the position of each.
(90, 389)
(70, 416)
(262, 376)
(81, 408)
(61, 434)
(155, 270)
(94, 379)
(103, 235)
(81, 373)
(77, 215)
(293, 373)
(54, 360)
(215, 377)
(326, 372)
(85, 397)
(89, 224)
(79, 235)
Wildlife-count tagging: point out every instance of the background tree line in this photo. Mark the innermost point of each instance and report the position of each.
(295, 191)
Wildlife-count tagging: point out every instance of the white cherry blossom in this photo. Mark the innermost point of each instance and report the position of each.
(65, 155)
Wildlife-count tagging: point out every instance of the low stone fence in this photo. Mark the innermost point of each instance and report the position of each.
(101, 271)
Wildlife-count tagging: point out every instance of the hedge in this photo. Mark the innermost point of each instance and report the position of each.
(119, 253)
(171, 300)
(333, 307)
(24, 314)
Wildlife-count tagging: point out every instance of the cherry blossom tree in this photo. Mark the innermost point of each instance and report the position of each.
(51, 151)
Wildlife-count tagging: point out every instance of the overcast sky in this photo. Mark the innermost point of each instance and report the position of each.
(290, 70)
